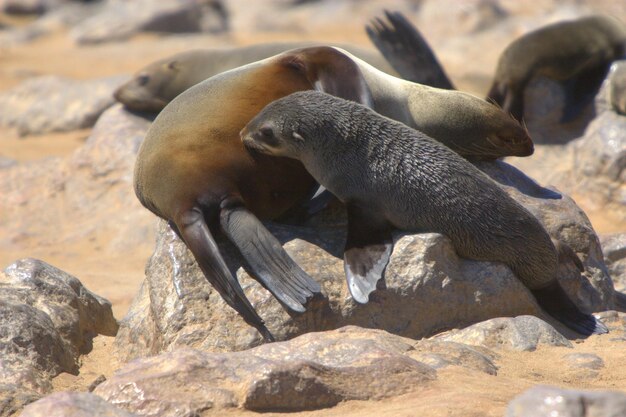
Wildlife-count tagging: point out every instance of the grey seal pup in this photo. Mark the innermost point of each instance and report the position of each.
(393, 177)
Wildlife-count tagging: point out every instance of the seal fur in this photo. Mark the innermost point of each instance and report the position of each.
(578, 52)
(393, 177)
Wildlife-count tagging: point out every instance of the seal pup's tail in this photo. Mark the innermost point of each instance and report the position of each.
(404, 47)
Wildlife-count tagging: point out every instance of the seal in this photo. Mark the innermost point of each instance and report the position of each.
(393, 177)
(617, 88)
(406, 49)
(578, 53)
(193, 170)
(152, 87)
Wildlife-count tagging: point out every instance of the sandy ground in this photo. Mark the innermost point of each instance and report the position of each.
(118, 276)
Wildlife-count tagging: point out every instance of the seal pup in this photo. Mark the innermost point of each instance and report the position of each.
(193, 170)
(578, 53)
(393, 177)
(404, 47)
(152, 87)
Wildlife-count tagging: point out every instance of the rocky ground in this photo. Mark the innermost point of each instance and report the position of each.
(447, 337)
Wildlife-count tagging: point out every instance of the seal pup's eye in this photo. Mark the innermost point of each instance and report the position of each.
(266, 132)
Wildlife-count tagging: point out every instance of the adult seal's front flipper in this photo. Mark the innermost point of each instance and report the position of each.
(407, 51)
(266, 260)
(555, 301)
(193, 229)
(367, 252)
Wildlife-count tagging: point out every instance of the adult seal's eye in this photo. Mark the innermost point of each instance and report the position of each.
(143, 79)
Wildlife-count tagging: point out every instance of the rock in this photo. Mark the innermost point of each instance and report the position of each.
(52, 104)
(119, 19)
(87, 195)
(441, 353)
(425, 278)
(47, 319)
(73, 404)
(617, 87)
(6, 162)
(584, 361)
(312, 371)
(26, 6)
(546, 401)
(614, 250)
(523, 333)
(568, 224)
(13, 398)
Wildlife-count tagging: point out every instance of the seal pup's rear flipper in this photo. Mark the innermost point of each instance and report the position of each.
(266, 260)
(404, 47)
(555, 301)
(194, 231)
(368, 248)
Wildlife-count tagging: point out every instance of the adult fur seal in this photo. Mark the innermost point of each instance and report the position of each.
(393, 177)
(193, 170)
(579, 52)
(155, 85)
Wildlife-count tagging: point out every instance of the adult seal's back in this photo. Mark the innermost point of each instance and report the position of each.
(394, 177)
(579, 52)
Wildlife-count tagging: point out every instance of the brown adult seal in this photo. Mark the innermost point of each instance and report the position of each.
(155, 85)
(193, 170)
(578, 52)
(393, 177)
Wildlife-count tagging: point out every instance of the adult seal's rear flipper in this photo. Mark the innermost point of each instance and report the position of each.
(266, 260)
(555, 301)
(581, 90)
(407, 51)
(195, 232)
(366, 255)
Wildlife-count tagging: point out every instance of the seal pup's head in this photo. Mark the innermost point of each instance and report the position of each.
(289, 126)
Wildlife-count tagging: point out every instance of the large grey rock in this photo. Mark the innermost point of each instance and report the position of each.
(73, 404)
(51, 103)
(311, 371)
(523, 333)
(121, 19)
(614, 250)
(47, 319)
(85, 195)
(428, 287)
(546, 401)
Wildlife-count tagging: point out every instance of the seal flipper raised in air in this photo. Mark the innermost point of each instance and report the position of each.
(368, 248)
(555, 301)
(193, 230)
(265, 259)
(404, 47)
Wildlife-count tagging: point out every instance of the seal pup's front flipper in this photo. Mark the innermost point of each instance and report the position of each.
(192, 228)
(404, 47)
(265, 258)
(555, 301)
(368, 248)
